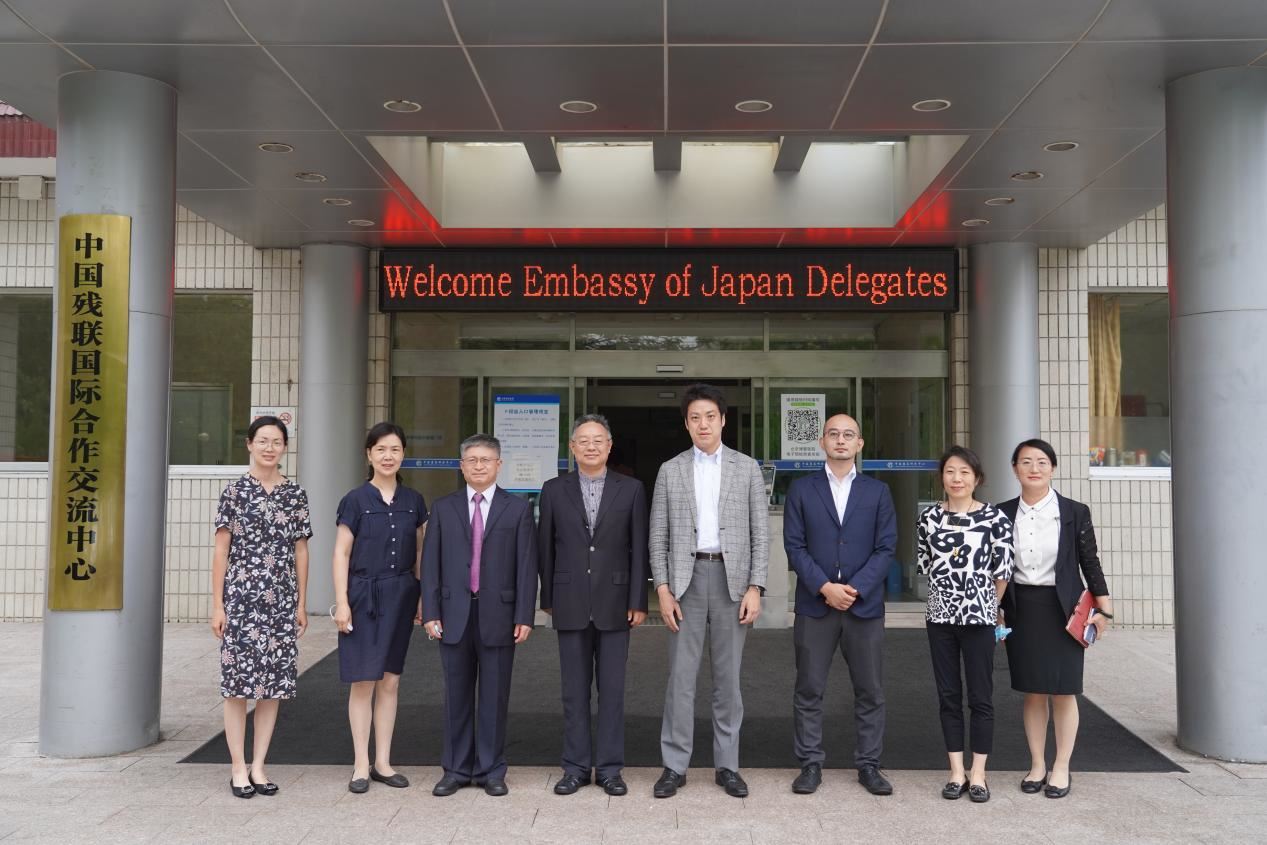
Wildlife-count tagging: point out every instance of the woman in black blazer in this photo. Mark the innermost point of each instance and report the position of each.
(1055, 551)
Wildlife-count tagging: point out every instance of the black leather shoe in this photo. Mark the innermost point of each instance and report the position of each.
(496, 788)
(952, 791)
(1059, 792)
(247, 791)
(732, 783)
(446, 786)
(870, 777)
(569, 783)
(808, 781)
(614, 785)
(1033, 787)
(397, 780)
(266, 788)
(979, 794)
(668, 784)
(358, 786)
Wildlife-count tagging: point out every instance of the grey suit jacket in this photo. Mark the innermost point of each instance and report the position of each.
(743, 516)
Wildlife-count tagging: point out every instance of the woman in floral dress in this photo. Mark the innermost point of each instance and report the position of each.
(258, 582)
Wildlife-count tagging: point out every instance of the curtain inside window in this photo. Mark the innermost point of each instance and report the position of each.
(1105, 327)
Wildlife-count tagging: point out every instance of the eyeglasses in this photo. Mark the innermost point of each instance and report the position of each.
(1040, 463)
(479, 462)
(586, 442)
(264, 444)
(847, 436)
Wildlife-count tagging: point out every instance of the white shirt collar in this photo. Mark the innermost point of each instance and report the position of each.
(1040, 504)
(488, 494)
(702, 458)
(831, 476)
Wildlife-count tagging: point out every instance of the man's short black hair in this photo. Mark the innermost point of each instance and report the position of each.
(696, 392)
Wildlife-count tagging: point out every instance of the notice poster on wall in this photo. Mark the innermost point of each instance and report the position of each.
(802, 417)
(528, 428)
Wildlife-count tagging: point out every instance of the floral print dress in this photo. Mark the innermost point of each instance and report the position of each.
(259, 654)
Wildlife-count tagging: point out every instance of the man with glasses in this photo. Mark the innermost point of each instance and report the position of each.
(593, 552)
(479, 589)
(840, 532)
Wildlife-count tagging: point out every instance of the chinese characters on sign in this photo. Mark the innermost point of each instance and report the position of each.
(89, 413)
(528, 428)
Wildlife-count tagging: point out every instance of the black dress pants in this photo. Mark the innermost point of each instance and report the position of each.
(974, 645)
(585, 656)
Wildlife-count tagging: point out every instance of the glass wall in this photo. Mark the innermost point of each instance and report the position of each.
(1130, 379)
(26, 325)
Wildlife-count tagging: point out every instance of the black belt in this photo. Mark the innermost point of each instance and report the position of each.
(709, 556)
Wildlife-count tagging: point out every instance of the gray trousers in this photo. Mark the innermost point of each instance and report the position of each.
(861, 642)
(706, 606)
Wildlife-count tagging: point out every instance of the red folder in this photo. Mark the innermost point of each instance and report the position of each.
(1080, 618)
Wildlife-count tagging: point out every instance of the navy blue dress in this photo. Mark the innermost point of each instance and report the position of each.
(382, 589)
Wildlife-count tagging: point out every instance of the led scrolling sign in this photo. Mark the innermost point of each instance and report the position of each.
(873, 280)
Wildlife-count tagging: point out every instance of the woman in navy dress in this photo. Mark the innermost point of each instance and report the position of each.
(376, 557)
(258, 579)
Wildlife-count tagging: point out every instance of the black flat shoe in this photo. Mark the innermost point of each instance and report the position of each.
(496, 788)
(446, 786)
(952, 791)
(668, 784)
(266, 788)
(979, 794)
(1059, 792)
(1033, 787)
(397, 780)
(569, 783)
(247, 791)
(808, 781)
(614, 785)
(358, 786)
(733, 784)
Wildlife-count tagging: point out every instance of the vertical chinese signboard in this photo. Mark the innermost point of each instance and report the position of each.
(89, 413)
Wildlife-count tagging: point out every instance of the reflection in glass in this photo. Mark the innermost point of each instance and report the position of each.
(211, 378)
(26, 343)
(1130, 379)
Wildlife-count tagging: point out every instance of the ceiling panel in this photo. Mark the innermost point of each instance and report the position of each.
(959, 237)
(352, 83)
(771, 22)
(482, 22)
(983, 82)
(1103, 210)
(1122, 84)
(987, 20)
(133, 21)
(323, 22)
(28, 78)
(527, 84)
(1013, 150)
(494, 237)
(1144, 168)
(328, 153)
(246, 214)
(383, 207)
(840, 237)
(1140, 19)
(951, 208)
(804, 84)
(197, 170)
(13, 31)
(220, 87)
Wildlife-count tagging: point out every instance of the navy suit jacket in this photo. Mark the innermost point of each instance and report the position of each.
(508, 568)
(861, 547)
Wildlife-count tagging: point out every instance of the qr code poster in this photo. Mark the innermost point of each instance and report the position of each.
(803, 417)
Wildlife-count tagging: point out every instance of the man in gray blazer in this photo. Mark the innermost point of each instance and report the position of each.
(709, 546)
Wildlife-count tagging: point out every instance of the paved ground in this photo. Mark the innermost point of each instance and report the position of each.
(148, 797)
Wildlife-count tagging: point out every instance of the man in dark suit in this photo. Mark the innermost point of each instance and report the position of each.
(479, 573)
(593, 552)
(840, 532)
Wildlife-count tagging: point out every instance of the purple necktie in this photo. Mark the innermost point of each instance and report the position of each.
(477, 542)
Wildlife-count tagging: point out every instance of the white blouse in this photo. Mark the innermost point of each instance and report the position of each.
(1037, 541)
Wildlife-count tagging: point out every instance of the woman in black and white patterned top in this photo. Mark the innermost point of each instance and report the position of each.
(965, 548)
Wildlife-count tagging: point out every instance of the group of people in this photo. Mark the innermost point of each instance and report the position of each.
(469, 570)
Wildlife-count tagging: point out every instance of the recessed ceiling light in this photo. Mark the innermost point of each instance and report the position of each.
(753, 106)
(976, 221)
(577, 106)
(404, 106)
(339, 201)
(931, 105)
(310, 176)
(1060, 146)
(360, 221)
(276, 147)
(1000, 201)
(1026, 176)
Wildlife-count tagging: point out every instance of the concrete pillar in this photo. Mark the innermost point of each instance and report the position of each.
(1002, 359)
(101, 674)
(333, 350)
(1216, 150)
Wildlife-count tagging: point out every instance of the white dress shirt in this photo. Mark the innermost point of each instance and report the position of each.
(708, 499)
(1037, 541)
(840, 489)
(484, 505)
